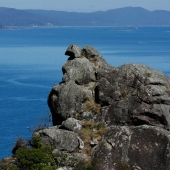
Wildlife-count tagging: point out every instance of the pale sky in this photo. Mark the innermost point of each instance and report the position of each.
(85, 5)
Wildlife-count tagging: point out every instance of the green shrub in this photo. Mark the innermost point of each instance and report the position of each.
(36, 142)
(39, 157)
(34, 159)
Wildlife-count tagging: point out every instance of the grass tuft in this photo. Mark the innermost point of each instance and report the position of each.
(91, 106)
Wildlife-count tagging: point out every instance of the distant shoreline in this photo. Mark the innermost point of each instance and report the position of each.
(128, 16)
(2, 27)
(112, 27)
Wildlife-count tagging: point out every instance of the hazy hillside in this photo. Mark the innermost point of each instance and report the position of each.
(117, 17)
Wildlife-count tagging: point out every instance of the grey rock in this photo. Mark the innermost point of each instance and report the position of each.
(73, 51)
(72, 124)
(65, 100)
(104, 68)
(81, 70)
(81, 157)
(87, 115)
(60, 139)
(56, 151)
(81, 143)
(90, 51)
(94, 142)
(142, 147)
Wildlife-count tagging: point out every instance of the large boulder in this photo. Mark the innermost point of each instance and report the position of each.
(65, 100)
(58, 138)
(139, 148)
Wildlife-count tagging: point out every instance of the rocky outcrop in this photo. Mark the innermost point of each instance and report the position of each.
(132, 101)
(132, 94)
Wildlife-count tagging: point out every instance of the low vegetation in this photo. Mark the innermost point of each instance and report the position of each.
(90, 105)
(148, 74)
(89, 131)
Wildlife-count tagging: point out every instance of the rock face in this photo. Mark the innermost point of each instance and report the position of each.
(136, 95)
(142, 147)
(65, 100)
(132, 101)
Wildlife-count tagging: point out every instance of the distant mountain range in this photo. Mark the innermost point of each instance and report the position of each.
(128, 16)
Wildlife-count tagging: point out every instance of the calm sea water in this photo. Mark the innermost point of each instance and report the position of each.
(31, 61)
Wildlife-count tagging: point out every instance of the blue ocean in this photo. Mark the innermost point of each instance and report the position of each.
(31, 61)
